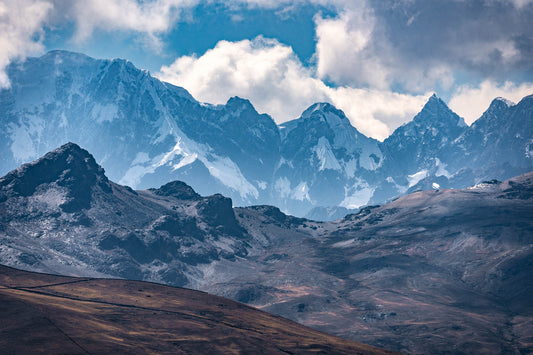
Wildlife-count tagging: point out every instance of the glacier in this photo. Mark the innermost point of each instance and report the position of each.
(146, 132)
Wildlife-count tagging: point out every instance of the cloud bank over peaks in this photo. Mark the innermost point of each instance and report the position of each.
(276, 82)
(21, 23)
(346, 49)
(378, 60)
(357, 49)
(472, 101)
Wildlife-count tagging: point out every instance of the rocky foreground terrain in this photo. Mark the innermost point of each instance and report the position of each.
(54, 314)
(442, 271)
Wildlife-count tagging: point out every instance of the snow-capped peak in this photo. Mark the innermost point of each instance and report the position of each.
(509, 103)
(434, 102)
(436, 112)
(323, 108)
(319, 106)
(329, 114)
(496, 108)
(57, 54)
(239, 104)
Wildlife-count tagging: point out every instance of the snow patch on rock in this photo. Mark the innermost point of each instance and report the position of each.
(441, 169)
(104, 113)
(325, 156)
(417, 177)
(360, 197)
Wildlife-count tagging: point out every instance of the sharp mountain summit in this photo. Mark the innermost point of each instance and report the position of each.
(146, 133)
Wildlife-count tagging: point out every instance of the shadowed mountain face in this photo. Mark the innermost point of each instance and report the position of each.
(64, 203)
(442, 271)
(146, 133)
(54, 314)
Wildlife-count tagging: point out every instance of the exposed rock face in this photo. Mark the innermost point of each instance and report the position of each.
(146, 133)
(179, 190)
(68, 167)
(117, 231)
(451, 267)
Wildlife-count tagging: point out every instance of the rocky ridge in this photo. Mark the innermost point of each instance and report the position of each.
(432, 272)
(146, 132)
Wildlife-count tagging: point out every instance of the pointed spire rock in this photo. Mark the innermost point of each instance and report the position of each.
(328, 113)
(496, 108)
(436, 113)
(502, 100)
(238, 102)
(321, 107)
(68, 166)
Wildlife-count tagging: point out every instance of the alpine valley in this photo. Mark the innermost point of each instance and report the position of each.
(433, 272)
(145, 133)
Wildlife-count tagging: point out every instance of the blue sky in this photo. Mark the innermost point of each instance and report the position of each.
(378, 60)
(200, 29)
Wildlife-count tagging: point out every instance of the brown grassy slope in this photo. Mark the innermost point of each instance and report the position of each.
(42, 313)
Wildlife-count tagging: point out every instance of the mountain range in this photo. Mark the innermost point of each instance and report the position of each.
(438, 271)
(146, 132)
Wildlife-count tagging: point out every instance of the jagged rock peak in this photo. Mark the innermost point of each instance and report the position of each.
(322, 108)
(497, 106)
(435, 110)
(58, 54)
(502, 100)
(238, 102)
(435, 101)
(71, 152)
(69, 166)
(179, 190)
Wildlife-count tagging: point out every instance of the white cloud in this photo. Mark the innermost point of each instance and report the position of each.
(272, 77)
(376, 113)
(149, 17)
(353, 51)
(517, 3)
(21, 23)
(262, 70)
(522, 3)
(470, 102)
(411, 46)
(345, 49)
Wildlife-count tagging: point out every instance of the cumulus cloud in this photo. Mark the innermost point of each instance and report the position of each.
(151, 17)
(272, 77)
(367, 50)
(21, 23)
(262, 70)
(486, 39)
(376, 113)
(471, 101)
(357, 49)
(346, 50)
